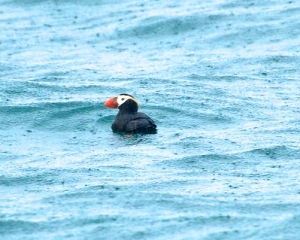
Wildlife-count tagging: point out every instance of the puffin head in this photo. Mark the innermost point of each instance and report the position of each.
(123, 102)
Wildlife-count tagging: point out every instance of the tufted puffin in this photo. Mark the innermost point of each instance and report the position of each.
(128, 119)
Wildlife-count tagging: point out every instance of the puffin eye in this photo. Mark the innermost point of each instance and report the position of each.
(122, 99)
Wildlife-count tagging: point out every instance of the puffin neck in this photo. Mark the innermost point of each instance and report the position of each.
(130, 106)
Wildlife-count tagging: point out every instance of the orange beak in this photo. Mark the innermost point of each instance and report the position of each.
(111, 103)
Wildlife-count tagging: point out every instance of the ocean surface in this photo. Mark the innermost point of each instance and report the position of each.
(220, 79)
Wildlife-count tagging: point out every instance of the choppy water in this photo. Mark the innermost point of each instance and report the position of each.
(220, 79)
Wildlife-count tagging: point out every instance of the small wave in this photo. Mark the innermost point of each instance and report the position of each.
(214, 160)
(276, 152)
(45, 178)
(106, 119)
(195, 161)
(9, 227)
(51, 115)
(164, 26)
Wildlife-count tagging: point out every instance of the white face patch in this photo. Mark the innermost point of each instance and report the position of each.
(123, 98)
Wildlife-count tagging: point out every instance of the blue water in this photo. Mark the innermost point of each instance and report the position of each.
(221, 81)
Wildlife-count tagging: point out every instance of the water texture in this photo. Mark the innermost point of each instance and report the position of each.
(220, 79)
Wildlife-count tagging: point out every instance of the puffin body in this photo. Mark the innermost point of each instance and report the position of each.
(128, 119)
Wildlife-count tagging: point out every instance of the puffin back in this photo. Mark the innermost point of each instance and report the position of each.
(135, 122)
(140, 123)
